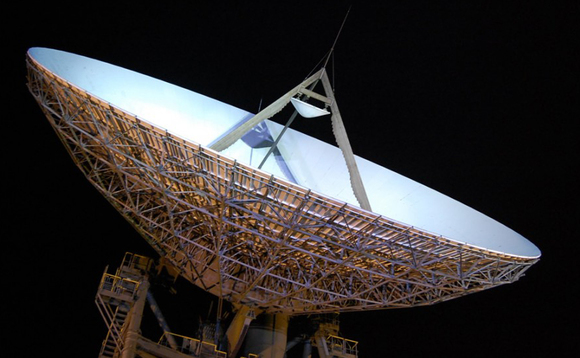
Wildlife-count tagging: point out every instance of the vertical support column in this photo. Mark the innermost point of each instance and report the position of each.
(307, 352)
(267, 336)
(328, 325)
(238, 329)
(135, 317)
(320, 341)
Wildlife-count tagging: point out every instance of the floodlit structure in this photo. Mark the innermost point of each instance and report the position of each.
(272, 220)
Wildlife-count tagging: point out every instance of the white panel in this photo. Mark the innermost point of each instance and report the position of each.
(185, 113)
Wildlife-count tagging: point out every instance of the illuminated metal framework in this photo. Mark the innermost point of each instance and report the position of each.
(121, 299)
(251, 238)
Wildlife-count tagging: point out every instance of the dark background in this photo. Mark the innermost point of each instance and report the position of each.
(476, 99)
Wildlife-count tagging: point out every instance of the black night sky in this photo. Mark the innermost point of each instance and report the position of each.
(476, 99)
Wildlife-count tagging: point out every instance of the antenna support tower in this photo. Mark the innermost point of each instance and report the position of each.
(122, 298)
(272, 248)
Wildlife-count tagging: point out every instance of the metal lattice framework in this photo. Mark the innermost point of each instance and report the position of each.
(249, 237)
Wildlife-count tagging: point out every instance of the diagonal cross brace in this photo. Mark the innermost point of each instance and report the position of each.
(237, 132)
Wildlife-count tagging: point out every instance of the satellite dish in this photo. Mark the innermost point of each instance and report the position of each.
(307, 110)
(293, 237)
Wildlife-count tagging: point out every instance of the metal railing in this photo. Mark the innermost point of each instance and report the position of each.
(192, 346)
(342, 345)
(121, 287)
(136, 263)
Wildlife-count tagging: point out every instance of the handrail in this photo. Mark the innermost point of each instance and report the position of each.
(119, 285)
(135, 261)
(344, 345)
(191, 345)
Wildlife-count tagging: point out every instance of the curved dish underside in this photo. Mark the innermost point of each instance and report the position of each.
(253, 238)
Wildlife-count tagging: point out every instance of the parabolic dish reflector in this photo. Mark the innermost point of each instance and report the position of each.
(289, 237)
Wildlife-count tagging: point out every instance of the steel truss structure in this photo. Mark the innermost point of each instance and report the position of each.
(251, 238)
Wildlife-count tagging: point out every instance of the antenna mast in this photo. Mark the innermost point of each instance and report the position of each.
(336, 38)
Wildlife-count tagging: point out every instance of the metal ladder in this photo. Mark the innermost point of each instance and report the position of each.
(116, 296)
(120, 298)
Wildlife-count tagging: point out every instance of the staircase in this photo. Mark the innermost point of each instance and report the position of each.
(114, 342)
(120, 299)
(116, 297)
